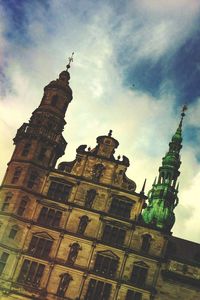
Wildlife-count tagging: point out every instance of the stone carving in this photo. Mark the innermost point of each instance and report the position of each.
(73, 253)
(63, 285)
(84, 220)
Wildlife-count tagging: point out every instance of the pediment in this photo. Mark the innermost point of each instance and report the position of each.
(108, 253)
(141, 263)
(43, 235)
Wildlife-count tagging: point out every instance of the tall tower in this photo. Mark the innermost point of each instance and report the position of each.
(38, 145)
(163, 195)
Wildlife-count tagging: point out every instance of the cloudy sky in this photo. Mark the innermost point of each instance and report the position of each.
(135, 64)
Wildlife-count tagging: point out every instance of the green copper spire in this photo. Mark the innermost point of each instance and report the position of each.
(162, 197)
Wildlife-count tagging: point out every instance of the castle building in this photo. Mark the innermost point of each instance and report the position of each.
(80, 230)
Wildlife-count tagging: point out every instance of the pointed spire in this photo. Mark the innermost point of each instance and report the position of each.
(163, 195)
(143, 187)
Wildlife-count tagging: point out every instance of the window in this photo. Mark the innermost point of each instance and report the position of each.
(133, 295)
(6, 202)
(31, 273)
(49, 217)
(90, 196)
(114, 235)
(32, 179)
(54, 100)
(146, 241)
(13, 232)
(106, 265)
(41, 155)
(26, 149)
(139, 274)
(16, 175)
(3, 260)
(40, 247)
(22, 206)
(73, 253)
(120, 208)
(84, 220)
(98, 290)
(59, 191)
(64, 284)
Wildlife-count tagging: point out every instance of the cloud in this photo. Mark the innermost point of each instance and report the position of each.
(109, 47)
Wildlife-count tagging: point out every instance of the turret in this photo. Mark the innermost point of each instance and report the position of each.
(163, 196)
(40, 143)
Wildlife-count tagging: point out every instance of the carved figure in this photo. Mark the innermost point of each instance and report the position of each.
(90, 196)
(73, 253)
(63, 285)
(84, 220)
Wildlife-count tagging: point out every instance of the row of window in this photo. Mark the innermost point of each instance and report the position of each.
(112, 234)
(60, 192)
(31, 274)
(32, 178)
(41, 155)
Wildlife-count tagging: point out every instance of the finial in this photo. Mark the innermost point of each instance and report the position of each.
(70, 60)
(184, 108)
(110, 133)
(143, 187)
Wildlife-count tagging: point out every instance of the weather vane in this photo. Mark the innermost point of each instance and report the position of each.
(184, 108)
(70, 60)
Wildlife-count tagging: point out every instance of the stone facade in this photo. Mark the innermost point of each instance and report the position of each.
(75, 232)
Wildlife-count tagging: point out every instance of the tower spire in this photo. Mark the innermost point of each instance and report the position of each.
(163, 195)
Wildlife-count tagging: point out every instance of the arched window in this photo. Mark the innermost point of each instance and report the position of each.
(22, 206)
(90, 196)
(139, 274)
(13, 232)
(106, 263)
(73, 253)
(146, 242)
(54, 100)
(26, 149)
(40, 245)
(97, 172)
(84, 220)
(16, 175)
(64, 284)
(32, 179)
(6, 202)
